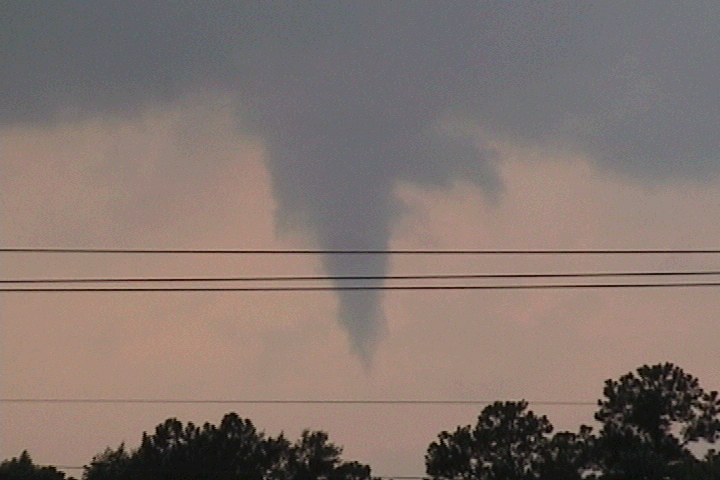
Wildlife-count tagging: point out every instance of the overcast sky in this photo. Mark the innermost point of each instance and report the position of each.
(404, 125)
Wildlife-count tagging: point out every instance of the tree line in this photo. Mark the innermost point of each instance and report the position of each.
(652, 424)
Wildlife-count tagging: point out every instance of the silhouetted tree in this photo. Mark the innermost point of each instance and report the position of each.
(312, 456)
(508, 442)
(649, 418)
(568, 456)
(110, 465)
(708, 468)
(23, 468)
(232, 450)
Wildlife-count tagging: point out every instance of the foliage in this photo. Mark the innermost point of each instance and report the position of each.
(23, 468)
(706, 469)
(508, 442)
(568, 456)
(649, 418)
(232, 450)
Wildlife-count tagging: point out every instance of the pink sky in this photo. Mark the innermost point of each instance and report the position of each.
(188, 180)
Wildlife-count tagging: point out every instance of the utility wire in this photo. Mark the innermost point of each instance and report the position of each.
(381, 477)
(364, 252)
(547, 286)
(272, 401)
(289, 278)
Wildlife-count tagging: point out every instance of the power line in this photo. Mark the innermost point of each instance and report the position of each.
(364, 252)
(548, 286)
(115, 401)
(381, 477)
(298, 278)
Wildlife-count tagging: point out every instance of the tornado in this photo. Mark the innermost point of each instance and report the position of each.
(351, 98)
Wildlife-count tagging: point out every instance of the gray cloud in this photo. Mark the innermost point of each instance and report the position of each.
(348, 96)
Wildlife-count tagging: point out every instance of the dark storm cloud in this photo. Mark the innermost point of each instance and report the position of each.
(633, 82)
(349, 96)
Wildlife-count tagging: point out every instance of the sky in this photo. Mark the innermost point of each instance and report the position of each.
(344, 125)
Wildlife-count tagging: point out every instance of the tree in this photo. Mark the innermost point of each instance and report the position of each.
(508, 442)
(23, 468)
(312, 456)
(232, 450)
(568, 456)
(649, 418)
(110, 465)
(707, 468)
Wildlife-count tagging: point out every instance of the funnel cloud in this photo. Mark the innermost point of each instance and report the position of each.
(349, 97)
